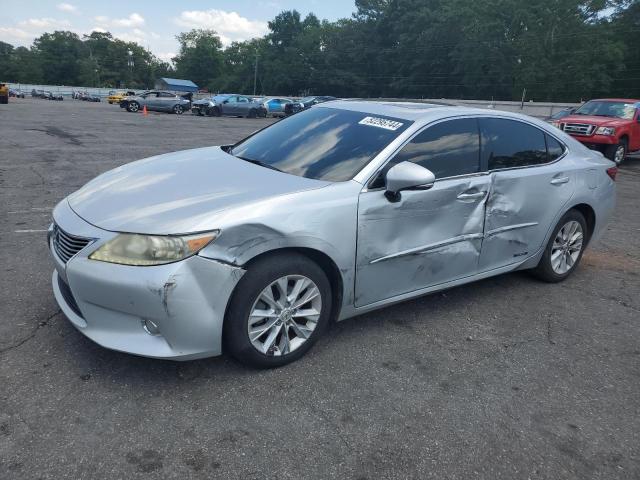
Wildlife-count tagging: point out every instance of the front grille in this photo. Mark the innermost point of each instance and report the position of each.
(67, 245)
(68, 297)
(578, 128)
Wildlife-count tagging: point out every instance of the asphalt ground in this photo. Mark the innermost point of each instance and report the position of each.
(507, 378)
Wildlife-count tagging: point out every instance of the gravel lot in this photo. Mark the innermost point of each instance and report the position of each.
(508, 378)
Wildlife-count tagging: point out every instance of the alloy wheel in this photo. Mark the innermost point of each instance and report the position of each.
(566, 247)
(284, 315)
(619, 155)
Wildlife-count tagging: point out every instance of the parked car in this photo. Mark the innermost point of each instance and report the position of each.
(275, 106)
(565, 112)
(16, 93)
(307, 102)
(229, 105)
(344, 208)
(609, 125)
(52, 96)
(37, 93)
(117, 97)
(157, 100)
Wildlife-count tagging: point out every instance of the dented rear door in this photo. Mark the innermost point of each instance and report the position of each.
(530, 186)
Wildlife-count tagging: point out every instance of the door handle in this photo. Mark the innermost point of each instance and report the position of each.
(471, 196)
(560, 180)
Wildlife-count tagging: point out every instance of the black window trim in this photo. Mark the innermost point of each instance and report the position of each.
(484, 170)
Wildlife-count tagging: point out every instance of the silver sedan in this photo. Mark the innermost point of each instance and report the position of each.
(254, 248)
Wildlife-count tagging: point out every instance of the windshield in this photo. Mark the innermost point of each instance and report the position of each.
(307, 99)
(219, 98)
(321, 143)
(604, 108)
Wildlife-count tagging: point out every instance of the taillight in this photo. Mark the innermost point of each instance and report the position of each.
(612, 172)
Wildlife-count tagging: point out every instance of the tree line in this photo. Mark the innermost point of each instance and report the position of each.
(550, 50)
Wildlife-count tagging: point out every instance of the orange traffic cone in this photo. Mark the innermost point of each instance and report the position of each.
(144, 110)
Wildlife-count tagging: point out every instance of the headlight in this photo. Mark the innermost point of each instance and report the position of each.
(606, 131)
(147, 250)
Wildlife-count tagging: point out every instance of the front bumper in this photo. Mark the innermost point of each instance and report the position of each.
(109, 303)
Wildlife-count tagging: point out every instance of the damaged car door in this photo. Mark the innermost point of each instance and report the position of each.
(424, 237)
(530, 185)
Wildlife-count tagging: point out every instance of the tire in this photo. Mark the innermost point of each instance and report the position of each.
(551, 272)
(215, 112)
(252, 113)
(178, 109)
(264, 276)
(133, 107)
(618, 152)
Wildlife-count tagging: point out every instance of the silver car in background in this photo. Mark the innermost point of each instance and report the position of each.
(157, 100)
(341, 209)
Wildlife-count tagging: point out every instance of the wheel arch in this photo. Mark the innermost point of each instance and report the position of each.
(589, 215)
(624, 137)
(324, 261)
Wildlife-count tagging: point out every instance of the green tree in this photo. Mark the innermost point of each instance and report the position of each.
(58, 55)
(200, 58)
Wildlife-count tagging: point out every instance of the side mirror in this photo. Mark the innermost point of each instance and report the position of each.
(226, 101)
(407, 176)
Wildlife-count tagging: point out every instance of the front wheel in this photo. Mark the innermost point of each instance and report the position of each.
(278, 311)
(565, 248)
(133, 107)
(618, 152)
(178, 109)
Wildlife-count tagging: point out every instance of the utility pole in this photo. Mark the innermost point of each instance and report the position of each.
(255, 74)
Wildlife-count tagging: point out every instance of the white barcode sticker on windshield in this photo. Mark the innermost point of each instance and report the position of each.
(380, 123)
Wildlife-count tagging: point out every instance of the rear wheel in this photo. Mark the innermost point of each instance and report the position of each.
(618, 152)
(133, 107)
(565, 248)
(278, 311)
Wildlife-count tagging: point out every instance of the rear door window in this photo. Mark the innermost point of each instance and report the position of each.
(510, 144)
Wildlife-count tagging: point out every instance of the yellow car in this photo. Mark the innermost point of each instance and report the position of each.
(119, 96)
(4, 93)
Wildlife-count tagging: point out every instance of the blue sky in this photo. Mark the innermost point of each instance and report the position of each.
(154, 24)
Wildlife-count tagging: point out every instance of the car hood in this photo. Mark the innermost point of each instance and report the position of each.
(179, 192)
(594, 120)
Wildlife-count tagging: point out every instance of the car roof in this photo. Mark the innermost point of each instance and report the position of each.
(423, 113)
(625, 100)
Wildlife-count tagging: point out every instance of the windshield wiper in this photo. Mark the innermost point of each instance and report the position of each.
(259, 162)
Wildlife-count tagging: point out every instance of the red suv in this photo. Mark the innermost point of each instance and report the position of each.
(610, 125)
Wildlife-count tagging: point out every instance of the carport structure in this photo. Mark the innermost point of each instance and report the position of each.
(176, 85)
